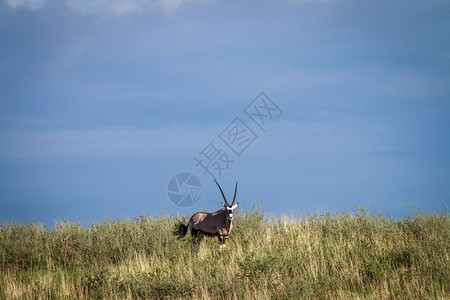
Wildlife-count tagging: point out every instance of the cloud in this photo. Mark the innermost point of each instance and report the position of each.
(121, 7)
(104, 142)
(294, 138)
(31, 4)
(115, 7)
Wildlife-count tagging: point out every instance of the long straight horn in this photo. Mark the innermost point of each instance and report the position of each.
(235, 191)
(223, 195)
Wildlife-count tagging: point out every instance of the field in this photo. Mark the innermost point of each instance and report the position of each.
(346, 255)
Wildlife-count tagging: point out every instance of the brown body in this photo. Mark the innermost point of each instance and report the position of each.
(218, 223)
(211, 224)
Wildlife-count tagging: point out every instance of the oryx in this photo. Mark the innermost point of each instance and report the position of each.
(218, 223)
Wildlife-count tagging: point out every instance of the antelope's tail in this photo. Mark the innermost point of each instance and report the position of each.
(180, 230)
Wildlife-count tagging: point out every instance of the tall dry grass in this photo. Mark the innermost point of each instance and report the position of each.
(348, 255)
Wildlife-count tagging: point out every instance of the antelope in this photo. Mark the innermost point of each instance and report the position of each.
(218, 223)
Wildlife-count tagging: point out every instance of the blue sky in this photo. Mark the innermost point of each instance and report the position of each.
(102, 102)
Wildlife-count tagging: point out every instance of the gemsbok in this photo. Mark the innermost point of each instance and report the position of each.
(218, 223)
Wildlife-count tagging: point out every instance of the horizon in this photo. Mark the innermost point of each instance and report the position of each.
(103, 103)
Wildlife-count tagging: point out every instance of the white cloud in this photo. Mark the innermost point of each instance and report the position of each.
(294, 138)
(31, 4)
(115, 7)
(120, 7)
(104, 142)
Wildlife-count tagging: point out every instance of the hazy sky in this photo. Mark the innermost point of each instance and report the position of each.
(102, 102)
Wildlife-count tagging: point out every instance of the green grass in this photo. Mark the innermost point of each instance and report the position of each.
(357, 255)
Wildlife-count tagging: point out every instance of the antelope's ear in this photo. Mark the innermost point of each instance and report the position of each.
(223, 204)
(234, 206)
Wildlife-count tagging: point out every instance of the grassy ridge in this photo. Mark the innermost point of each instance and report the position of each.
(358, 255)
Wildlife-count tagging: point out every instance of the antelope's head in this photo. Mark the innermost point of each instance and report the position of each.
(232, 207)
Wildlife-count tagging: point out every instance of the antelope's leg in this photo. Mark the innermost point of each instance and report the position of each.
(222, 242)
(199, 237)
(196, 240)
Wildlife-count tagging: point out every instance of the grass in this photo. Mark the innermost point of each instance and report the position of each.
(348, 255)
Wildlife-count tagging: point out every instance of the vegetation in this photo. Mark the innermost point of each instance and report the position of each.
(347, 255)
